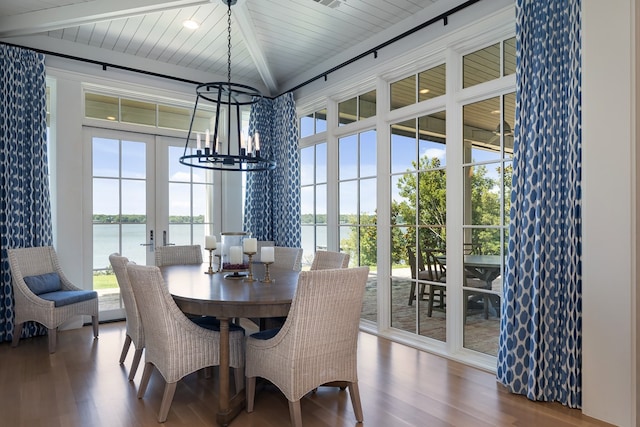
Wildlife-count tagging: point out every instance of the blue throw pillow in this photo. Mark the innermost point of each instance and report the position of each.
(43, 283)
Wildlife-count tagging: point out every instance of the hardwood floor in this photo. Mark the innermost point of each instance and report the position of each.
(82, 384)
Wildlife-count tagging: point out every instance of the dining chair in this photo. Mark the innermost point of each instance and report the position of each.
(174, 345)
(135, 333)
(42, 293)
(178, 254)
(288, 257)
(317, 343)
(418, 272)
(435, 273)
(327, 260)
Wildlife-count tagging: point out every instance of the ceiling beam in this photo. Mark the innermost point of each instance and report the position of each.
(241, 14)
(84, 13)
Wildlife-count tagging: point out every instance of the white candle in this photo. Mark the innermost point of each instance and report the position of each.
(267, 254)
(250, 245)
(210, 242)
(198, 142)
(256, 142)
(206, 139)
(235, 255)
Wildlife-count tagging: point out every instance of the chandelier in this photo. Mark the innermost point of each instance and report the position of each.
(226, 146)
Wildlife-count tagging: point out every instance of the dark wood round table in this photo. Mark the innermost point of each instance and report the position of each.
(199, 293)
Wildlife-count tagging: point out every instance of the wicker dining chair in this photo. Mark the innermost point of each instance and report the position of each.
(317, 343)
(43, 294)
(135, 333)
(288, 257)
(328, 260)
(180, 254)
(174, 344)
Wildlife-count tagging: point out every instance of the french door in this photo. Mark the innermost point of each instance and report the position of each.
(142, 197)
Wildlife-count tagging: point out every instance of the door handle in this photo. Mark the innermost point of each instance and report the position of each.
(164, 239)
(150, 244)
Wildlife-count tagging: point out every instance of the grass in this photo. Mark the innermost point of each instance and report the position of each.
(104, 281)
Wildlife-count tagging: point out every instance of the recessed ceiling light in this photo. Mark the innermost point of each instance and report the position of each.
(423, 91)
(110, 118)
(190, 24)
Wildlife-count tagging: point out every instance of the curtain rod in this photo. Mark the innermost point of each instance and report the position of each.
(103, 64)
(443, 16)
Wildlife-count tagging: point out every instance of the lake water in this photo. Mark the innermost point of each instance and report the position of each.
(106, 241)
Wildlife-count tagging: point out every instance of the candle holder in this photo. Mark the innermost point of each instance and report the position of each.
(219, 263)
(267, 278)
(210, 270)
(250, 276)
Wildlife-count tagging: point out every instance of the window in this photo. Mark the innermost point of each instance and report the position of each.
(138, 112)
(487, 167)
(418, 225)
(190, 201)
(357, 108)
(313, 123)
(419, 87)
(484, 65)
(313, 200)
(440, 152)
(357, 206)
(357, 197)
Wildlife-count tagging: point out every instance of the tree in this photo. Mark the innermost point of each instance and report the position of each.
(422, 209)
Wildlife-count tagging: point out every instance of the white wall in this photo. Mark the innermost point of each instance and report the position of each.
(609, 194)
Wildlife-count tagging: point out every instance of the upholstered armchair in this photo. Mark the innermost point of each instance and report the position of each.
(43, 294)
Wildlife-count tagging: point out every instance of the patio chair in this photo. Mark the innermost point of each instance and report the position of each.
(43, 293)
(174, 345)
(436, 272)
(318, 342)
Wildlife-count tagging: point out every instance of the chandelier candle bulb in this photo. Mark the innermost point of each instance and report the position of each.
(206, 139)
(210, 242)
(198, 142)
(267, 254)
(250, 245)
(235, 255)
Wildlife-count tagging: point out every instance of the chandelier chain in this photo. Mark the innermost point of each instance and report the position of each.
(229, 44)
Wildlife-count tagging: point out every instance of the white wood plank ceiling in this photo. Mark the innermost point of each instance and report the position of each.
(273, 41)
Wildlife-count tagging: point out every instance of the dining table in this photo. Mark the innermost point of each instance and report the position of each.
(487, 268)
(226, 297)
(484, 267)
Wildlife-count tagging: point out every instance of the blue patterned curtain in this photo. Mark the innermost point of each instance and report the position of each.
(540, 352)
(272, 203)
(25, 213)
